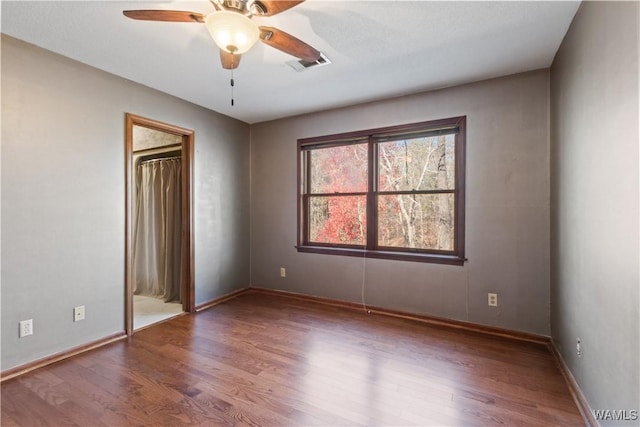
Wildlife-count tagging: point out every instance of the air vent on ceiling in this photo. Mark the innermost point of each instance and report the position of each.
(302, 65)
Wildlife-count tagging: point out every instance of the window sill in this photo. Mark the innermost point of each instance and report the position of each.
(393, 255)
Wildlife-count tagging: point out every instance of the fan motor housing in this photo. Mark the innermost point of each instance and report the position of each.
(247, 7)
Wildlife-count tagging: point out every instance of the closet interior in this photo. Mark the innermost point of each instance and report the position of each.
(156, 226)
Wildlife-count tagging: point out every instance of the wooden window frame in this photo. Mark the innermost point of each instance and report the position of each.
(372, 138)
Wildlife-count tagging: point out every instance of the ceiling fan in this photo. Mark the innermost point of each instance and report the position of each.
(232, 29)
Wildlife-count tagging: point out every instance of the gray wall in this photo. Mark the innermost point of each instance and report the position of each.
(594, 246)
(507, 208)
(63, 198)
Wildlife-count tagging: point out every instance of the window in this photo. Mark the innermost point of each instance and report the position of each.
(394, 192)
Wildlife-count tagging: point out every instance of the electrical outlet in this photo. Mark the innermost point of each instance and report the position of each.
(492, 300)
(578, 347)
(78, 313)
(26, 328)
(283, 272)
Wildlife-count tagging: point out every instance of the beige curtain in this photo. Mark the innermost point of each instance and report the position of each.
(157, 233)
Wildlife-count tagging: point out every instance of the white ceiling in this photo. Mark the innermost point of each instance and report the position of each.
(378, 49)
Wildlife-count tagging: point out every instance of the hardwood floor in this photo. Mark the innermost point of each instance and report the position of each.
(269, 360)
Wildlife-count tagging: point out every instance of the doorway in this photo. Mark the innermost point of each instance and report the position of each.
(158, 232)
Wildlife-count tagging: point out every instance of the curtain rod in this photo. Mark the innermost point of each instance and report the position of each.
(160, 159)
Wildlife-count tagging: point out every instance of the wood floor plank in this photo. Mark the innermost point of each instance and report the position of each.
(268, 360)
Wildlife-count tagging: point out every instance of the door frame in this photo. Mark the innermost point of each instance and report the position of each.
(187, 281)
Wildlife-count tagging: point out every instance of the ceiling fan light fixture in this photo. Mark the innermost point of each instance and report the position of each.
(231, 31)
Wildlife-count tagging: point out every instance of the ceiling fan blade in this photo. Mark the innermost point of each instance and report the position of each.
(288, 44)
(272, 7)
(164, 15)
(229, 61)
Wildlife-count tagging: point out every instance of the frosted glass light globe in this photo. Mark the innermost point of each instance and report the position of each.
(231, 31)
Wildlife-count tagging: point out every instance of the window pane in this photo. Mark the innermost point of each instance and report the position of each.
(338, 220)
(417, 164)
(340, 169)
(416, 221)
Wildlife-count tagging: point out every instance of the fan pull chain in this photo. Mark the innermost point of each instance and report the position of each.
(232, 81)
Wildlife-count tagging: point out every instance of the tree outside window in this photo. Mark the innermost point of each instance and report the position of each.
(394, 192)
